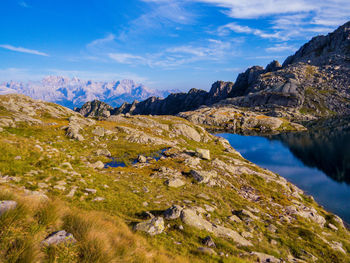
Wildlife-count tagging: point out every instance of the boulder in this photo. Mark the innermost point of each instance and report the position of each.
(103, 152)
(265, 258)
(7, 205)
(187, 131)
(99, 131)
(175, 182)
(173, 212)
(203, 176)
(190, 217)
(59, 237)
(203, 153)
(97, 165)
(154, 226)
(208, 241)
(141, 159)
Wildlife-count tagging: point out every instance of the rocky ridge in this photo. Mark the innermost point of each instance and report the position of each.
(250, 214)
(313, 83)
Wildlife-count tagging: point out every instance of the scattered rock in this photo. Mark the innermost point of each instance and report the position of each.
(99, 131)
(97, 165)
(91, 191)
(7, 205)
(203, 153)
(173, 212)
(103, 152)
(265, 258)
(203, 176)
(141, 159)
(208, 241)
(152, 227)
(175, 182)
(189, 217)
(59, 237)
(207, 250)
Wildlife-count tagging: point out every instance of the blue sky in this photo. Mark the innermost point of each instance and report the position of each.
(164, 44)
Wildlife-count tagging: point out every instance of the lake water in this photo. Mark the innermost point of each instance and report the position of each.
(317, 161)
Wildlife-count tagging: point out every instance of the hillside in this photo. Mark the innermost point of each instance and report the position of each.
(146, 189)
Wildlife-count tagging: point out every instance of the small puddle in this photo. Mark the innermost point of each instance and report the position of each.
(115, 163)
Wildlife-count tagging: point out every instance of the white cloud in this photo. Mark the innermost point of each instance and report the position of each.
(101, 41)
(24, 50)
(281, 48)
(224, 30)
(23, 4)
(125, 58)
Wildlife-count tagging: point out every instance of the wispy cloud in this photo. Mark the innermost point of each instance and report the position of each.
(23, 4)
(24, 50)
(224, 30)
(125, 58)
(281, 48)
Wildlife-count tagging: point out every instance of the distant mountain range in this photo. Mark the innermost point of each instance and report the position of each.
(74, 92)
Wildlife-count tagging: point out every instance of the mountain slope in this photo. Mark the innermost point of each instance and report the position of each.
(146, 189)
(75, 92)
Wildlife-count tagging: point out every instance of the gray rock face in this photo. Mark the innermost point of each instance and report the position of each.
(171, 105)
(59, 237)
(203, 153)
(173, 212)
(95, 108)
(203, 176)
(7, 206)
(190, 217)
(152, 227)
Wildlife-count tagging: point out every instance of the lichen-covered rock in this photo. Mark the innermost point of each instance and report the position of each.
(152, 227)
(59, 237)
(203, 153)
(190, 217)
(175, 182)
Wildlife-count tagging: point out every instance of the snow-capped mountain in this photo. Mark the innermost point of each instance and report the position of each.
(74, 92)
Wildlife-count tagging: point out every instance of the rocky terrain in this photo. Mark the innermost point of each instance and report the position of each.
(74, 92)
(146, 189)
(229, 119)
(313, 83)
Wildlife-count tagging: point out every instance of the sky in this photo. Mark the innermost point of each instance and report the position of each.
(164, 44)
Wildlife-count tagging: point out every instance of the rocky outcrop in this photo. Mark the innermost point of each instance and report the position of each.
(171, 105)
(95, 108)
(312, 83)
(234, 120)
(190, 217)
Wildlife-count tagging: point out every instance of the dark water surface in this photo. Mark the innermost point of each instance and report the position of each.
(317, 161)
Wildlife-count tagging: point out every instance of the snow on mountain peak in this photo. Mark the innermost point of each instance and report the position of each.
(74, 92)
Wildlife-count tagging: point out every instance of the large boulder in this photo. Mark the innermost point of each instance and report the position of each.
(59, 237)
(190, 217)
(154, 226)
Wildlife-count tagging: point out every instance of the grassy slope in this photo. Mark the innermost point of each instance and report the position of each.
(103, 228)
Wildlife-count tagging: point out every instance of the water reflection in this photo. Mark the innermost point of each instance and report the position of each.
(325, 146)
(317, 161)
